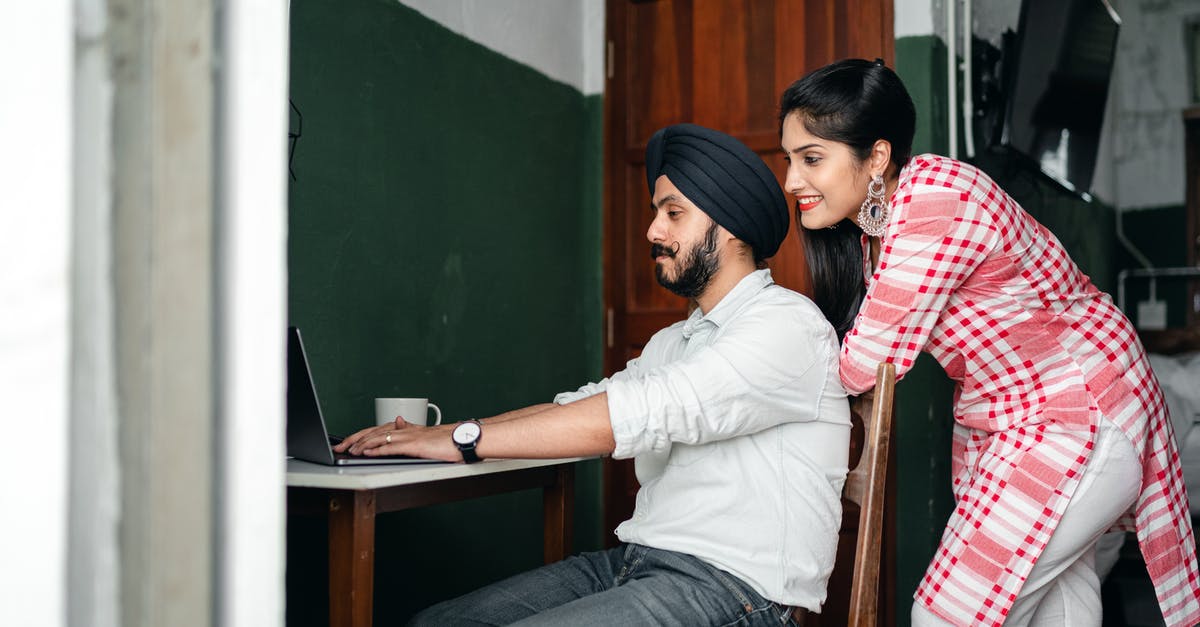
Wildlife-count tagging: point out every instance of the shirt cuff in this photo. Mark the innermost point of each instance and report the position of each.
(586, 391)
(562, 398)
(628, 417)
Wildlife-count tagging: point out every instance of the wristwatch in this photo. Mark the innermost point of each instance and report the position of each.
(466, 436)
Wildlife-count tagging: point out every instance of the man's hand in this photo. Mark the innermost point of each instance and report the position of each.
(402, 438)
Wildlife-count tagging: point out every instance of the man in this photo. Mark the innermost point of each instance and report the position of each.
(736, 419)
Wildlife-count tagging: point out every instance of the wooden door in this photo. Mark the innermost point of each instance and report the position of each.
(721, 64)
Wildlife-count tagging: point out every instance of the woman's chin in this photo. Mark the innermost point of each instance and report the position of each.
(813, 223)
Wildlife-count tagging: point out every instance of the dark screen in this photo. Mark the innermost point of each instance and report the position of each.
(1059, 86)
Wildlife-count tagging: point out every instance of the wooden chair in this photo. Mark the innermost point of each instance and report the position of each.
(866, 486)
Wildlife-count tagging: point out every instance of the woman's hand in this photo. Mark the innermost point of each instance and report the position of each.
(402, 438)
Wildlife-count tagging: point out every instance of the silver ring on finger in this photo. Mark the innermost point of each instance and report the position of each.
(388, 438)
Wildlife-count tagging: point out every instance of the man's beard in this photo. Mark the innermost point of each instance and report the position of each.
(697, 269)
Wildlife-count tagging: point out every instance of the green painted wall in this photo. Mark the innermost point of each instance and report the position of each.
(921, 64)
(924, 416)
(444, 241)
(924, 398)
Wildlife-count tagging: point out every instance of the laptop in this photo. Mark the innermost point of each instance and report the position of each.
(307, 438)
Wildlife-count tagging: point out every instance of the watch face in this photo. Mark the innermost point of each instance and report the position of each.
(466, 433)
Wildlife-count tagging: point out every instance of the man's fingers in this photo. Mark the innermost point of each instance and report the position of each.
(359, 437)
(380, 447)
(375, 440)
(348, 441)
(380, 436)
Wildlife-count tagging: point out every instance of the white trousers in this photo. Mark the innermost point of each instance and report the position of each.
(1063, 588)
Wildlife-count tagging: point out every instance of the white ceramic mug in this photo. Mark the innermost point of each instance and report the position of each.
(413, 410)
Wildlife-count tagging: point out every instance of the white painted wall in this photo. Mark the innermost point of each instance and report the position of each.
(915, 17)
(35, 292)
(990, 18)
(1150, 91)
(251, 317)
(562, 39)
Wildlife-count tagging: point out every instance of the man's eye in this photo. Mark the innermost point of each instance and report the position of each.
(672, 214)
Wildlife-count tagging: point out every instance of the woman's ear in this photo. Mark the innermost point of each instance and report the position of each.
(881, 157)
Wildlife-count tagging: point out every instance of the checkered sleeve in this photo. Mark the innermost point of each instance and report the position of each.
(938, 236)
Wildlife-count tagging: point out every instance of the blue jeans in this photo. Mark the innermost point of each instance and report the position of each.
(627, 585)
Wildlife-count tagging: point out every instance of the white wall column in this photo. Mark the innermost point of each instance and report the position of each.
(251, 318)
(36, 57)
(163, 65)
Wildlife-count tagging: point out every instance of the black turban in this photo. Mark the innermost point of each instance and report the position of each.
(725, 179)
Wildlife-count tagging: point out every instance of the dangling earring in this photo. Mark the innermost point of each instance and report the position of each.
(873, 214)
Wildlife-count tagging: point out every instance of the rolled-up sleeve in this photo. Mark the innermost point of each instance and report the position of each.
(751, 378)
(591, 389)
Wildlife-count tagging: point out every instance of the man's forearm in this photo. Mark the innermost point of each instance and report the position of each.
(576, 429)
(518, 413)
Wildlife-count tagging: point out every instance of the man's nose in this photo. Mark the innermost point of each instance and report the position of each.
(655, 232)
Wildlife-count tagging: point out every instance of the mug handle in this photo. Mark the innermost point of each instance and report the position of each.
(437, 414)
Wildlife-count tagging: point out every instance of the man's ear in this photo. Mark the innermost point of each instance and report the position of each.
(742, 247)
(727, 238)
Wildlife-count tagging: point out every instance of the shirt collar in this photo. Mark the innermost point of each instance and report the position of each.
(750, 285)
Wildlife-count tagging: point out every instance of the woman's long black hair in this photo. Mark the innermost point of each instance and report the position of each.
(835, 266)
(854, 102)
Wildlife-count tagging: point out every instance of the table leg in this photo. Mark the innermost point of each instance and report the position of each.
(558, 504)
(351, 557)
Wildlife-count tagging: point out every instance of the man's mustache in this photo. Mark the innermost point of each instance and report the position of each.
(658, 250)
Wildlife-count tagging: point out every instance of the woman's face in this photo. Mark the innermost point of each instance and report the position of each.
(828, 182)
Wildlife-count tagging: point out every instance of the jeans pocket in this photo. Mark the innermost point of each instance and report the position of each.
(787, 614)
(737, 590)
(756, 610)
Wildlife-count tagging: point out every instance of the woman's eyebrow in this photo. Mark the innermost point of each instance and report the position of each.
(796, 150)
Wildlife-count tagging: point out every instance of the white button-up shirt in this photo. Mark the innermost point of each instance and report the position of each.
(740, 431)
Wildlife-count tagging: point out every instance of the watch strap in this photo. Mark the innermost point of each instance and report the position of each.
(468, 453)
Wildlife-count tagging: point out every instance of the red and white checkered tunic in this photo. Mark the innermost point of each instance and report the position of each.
(1039, 356)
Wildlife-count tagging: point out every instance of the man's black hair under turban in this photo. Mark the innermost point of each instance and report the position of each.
(725, 179)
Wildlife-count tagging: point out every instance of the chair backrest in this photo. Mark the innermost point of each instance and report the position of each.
(866, 486)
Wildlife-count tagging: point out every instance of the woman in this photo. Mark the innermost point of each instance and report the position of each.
(1060, 431)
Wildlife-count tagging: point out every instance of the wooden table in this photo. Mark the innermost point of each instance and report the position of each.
(351, 498)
